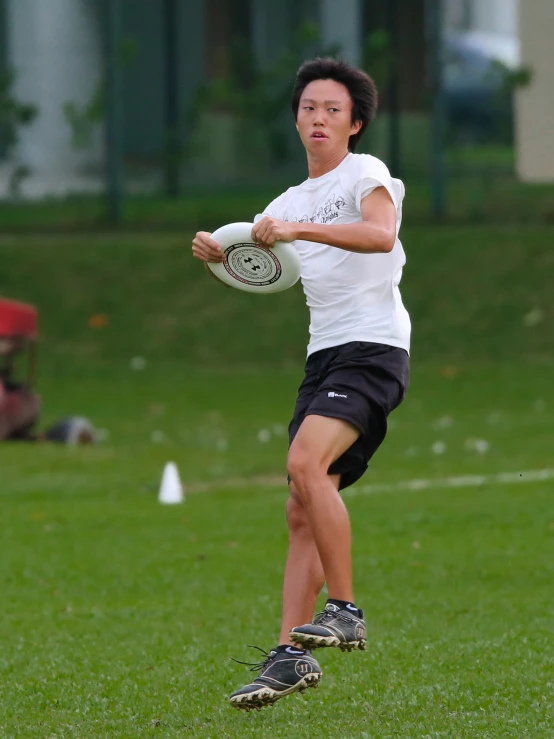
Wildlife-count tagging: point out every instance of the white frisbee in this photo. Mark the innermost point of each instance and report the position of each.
(250, 267)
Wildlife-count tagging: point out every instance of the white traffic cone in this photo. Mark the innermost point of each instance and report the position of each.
(171, 489)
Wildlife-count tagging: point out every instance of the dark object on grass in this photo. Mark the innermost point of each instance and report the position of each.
(72, 431)
(20, 406)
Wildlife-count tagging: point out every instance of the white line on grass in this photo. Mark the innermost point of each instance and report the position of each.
(464, 481)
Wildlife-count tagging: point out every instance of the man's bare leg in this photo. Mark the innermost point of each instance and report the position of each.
(319, 442)
(319, 533)
(298, 670)
(304, 577)
(19, 411)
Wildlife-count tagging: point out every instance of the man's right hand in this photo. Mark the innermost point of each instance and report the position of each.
(206, 249)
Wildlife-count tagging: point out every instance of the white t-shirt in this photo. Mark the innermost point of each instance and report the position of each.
(351, 296)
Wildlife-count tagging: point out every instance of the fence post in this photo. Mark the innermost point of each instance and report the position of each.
(171, 77)
(114, 117)
(394, 137)
(435, 45)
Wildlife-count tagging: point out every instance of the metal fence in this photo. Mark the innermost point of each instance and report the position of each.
(137, 98)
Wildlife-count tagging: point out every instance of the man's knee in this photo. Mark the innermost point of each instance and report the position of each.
(296, 514)
(302, 467)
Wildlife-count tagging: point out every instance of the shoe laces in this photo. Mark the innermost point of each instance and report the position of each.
(325, 616)
(257, 666)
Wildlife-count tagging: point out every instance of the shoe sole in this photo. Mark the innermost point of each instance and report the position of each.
(266, 696)
(309, 641)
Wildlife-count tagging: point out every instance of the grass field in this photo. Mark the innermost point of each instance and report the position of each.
(120, 616)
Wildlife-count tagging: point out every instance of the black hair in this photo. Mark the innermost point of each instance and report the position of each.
(361, 87)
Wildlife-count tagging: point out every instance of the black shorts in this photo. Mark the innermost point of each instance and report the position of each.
(361, 383)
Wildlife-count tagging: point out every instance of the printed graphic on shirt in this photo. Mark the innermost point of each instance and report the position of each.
(326, 213)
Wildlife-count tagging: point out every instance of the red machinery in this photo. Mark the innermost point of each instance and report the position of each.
(18, 333)
(20, 406)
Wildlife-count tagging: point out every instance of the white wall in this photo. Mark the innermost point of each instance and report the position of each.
(269, 24)
(535, 104)
(341, 25)
(495, 16)
(492, 16)
(54, 48)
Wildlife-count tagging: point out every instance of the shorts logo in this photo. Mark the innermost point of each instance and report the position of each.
(336, 395)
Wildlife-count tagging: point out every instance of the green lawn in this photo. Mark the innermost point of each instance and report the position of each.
(474, 295)
(120, 615)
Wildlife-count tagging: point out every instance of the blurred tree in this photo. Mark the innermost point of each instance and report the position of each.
(410, 51)
(229, 22)
(84, 120)
(254, 101)
(13, 115)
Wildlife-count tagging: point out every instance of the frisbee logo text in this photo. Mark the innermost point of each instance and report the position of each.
(252, 264)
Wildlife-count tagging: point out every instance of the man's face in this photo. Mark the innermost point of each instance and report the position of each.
(324, 119)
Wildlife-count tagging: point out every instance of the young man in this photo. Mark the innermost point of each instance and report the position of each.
(344, 220)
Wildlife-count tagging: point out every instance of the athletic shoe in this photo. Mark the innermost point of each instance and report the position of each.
(334, 627)
(284, 670)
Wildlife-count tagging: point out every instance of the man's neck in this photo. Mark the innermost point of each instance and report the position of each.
(318, 167)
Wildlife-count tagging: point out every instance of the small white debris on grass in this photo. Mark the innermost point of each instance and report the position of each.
(138, 363)
(481, 446)
(264, 435)
(445, 422)
(439, 447)
(157, 437)
(222, 445)
(533, 318)
(278, 429)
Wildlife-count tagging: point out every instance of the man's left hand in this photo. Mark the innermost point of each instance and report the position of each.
(269, 230)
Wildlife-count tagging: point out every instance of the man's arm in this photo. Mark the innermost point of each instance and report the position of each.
(375, 234)
(208, 250)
